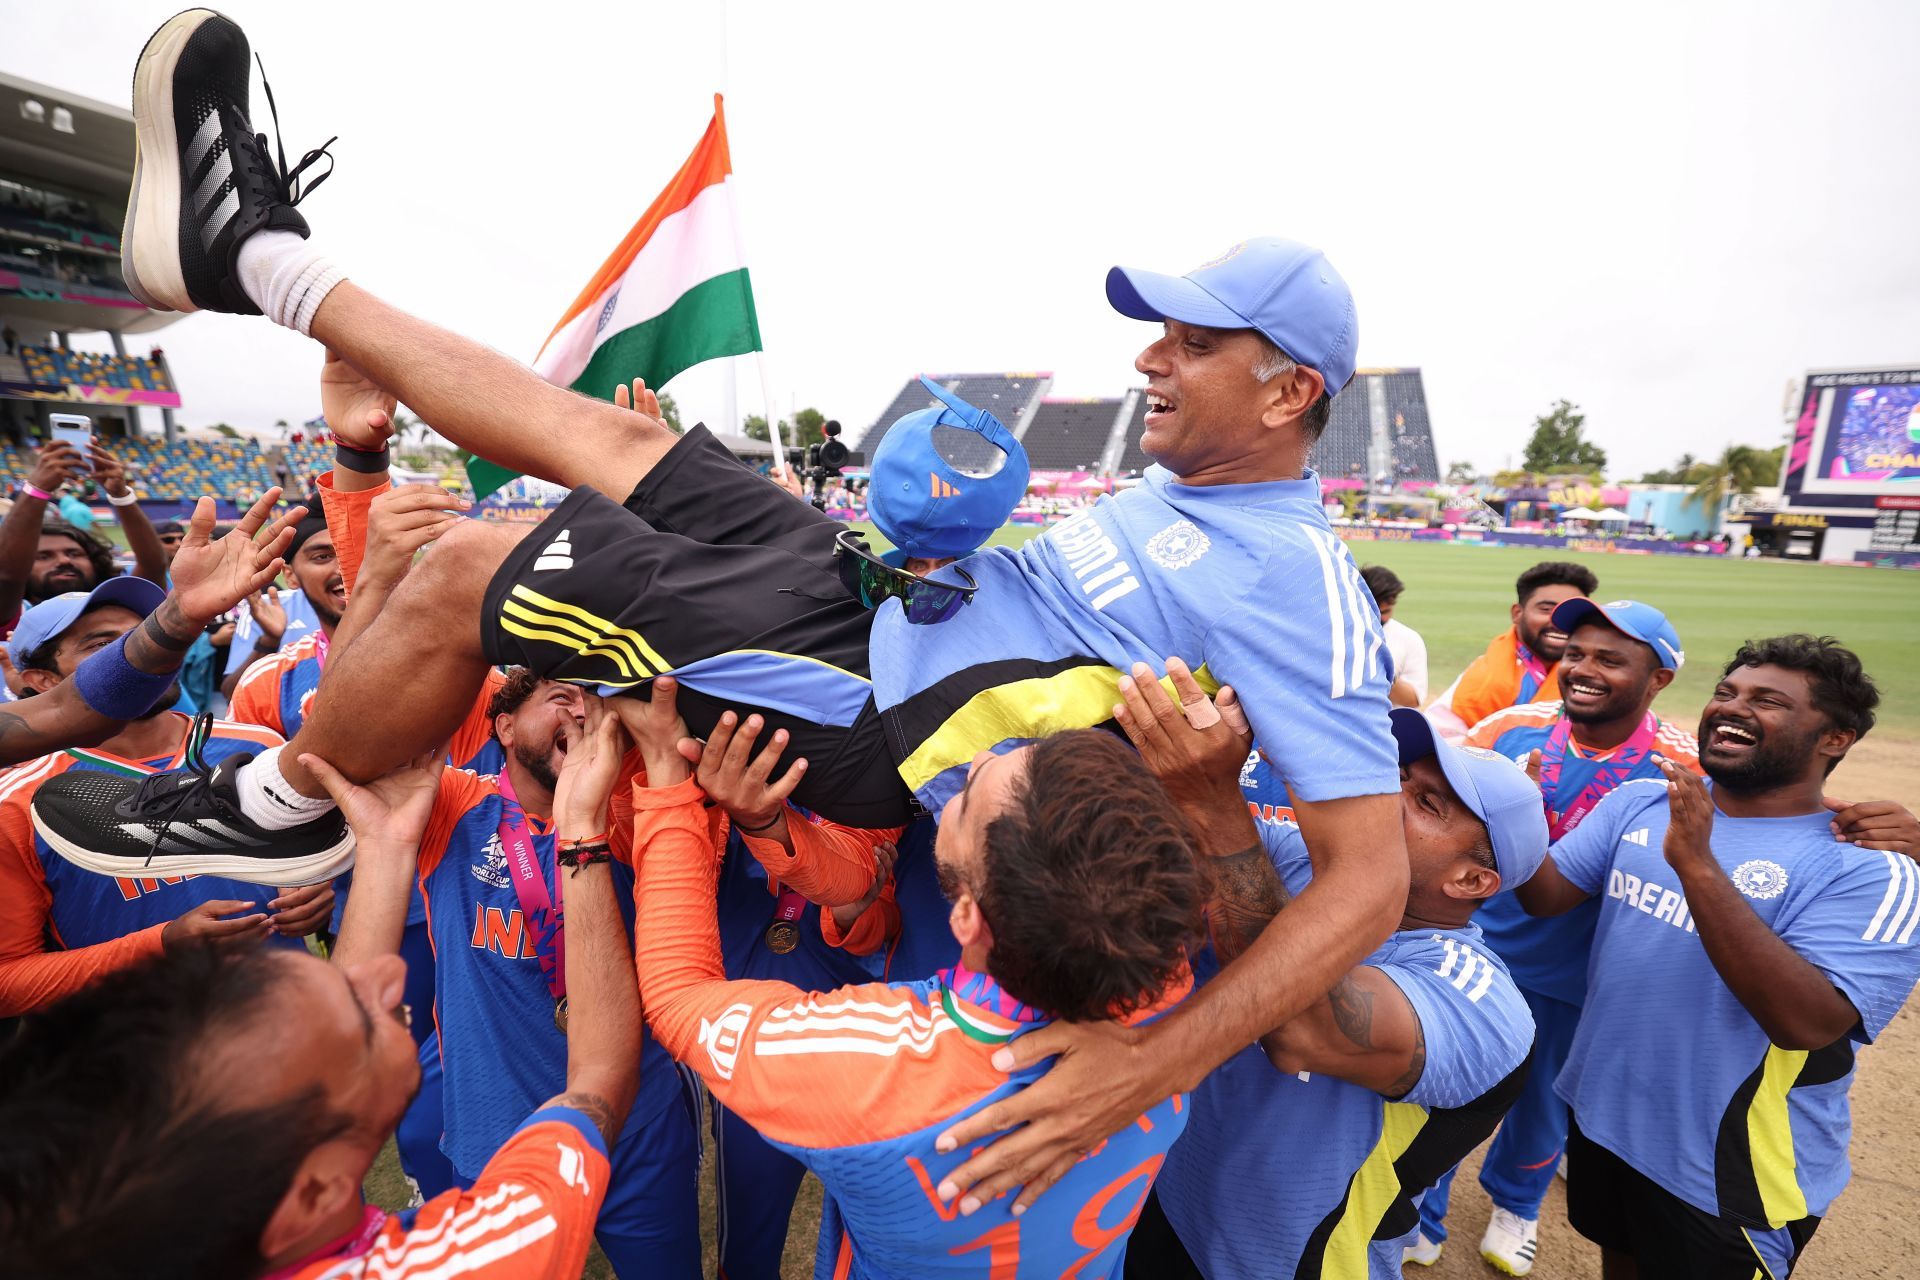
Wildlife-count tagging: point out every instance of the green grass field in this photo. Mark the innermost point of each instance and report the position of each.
(1458, 595)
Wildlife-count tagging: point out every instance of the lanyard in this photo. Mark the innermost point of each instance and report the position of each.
(1588, 779)
(783, 935)
(1533, 672)
(541, 910)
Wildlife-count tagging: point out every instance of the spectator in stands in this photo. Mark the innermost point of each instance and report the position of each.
(38, 561)
(1404, 645)
(12, 339)
(1518, 665)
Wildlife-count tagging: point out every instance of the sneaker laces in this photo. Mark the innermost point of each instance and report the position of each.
(160, 797)
(283, 185)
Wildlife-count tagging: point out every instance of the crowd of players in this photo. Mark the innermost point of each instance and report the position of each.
(1102, 907)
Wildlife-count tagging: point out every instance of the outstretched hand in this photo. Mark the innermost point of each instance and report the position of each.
(400, 522)
(358, 412)
(390, 813)
(1876, 824)
(212, 577)
(657, 729)
(741, 781)
(592, 766)
(1102, 1080)
(1195, 746)
(1690, 816)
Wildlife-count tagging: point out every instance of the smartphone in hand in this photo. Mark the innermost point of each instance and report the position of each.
(75, 429)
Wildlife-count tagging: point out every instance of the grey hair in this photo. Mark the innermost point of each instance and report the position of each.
(1273, 362)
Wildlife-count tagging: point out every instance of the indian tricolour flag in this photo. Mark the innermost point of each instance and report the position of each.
(674, 293)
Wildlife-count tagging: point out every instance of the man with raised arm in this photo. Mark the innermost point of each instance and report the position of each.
(1305, 1153)
(1743, 950)
(1222, 557)
(1075, 893)
(123, 680)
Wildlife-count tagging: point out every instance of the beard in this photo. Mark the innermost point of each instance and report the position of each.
(1777, 760)
(323, 605)
(539, 763)
(1618, 705)
(58, 582)
(1541, 648)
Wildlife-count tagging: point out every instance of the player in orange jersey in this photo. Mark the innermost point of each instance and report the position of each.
(174, 1120)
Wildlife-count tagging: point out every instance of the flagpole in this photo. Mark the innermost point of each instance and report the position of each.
(760, 355)
(773, 415)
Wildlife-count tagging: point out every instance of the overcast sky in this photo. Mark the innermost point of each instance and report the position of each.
(1662, 213)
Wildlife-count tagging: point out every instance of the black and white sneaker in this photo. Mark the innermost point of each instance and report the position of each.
(184, 823)
(203, 180)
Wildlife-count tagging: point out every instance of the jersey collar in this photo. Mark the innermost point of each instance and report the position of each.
(981, 1009)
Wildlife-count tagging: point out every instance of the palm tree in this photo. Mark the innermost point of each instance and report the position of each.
(1740, 468)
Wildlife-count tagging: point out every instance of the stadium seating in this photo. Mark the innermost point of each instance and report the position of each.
(1006, 396)
(232, 469)
(1133, 460)
(1343, 450)
(1070, 435)
(58, 367)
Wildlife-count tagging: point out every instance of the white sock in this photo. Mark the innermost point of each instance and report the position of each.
(286, 276)
(268, 800)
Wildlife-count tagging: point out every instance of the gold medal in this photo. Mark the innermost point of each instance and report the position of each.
(560, 1014)
(782, 936)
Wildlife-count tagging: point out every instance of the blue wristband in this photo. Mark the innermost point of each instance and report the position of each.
(116, 688)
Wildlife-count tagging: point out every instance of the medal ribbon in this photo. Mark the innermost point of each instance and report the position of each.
(1583, 781)
(541, 910)
(790, 907)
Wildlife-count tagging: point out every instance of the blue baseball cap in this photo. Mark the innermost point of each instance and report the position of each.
(51, 618)
(1284, 289)
(1498, 793)
(936, 494)
(1630, 618)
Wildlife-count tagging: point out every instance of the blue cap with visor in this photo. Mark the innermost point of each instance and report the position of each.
(944, 478)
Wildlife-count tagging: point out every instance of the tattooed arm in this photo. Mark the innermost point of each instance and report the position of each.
(209, 578)
(1365, 1031)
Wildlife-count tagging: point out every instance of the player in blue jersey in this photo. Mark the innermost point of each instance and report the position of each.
(487, 868)
(1074, 890)
(61, 926)
(1600, 734)
(1743, 951)
(684, 561)
(1305, 1160)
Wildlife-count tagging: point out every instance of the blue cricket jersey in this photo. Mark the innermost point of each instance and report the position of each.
(1549, 955)
(1247, 583)
(1285, 1175)
(1668, 1069)
(501, 1053)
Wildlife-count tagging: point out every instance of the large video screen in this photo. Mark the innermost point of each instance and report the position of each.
(1858, 432)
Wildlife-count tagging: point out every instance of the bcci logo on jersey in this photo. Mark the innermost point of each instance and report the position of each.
(722, 1038)
(492, 867)
(1760, 879)
(1178, 545)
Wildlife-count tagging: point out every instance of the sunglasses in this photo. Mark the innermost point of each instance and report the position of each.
(871, 580)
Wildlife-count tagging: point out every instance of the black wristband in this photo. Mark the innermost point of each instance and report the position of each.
(365, 461)
(264, 646)
(778, 814)
(164, 639)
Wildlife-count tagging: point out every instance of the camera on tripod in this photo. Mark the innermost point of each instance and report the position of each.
(816, 463)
